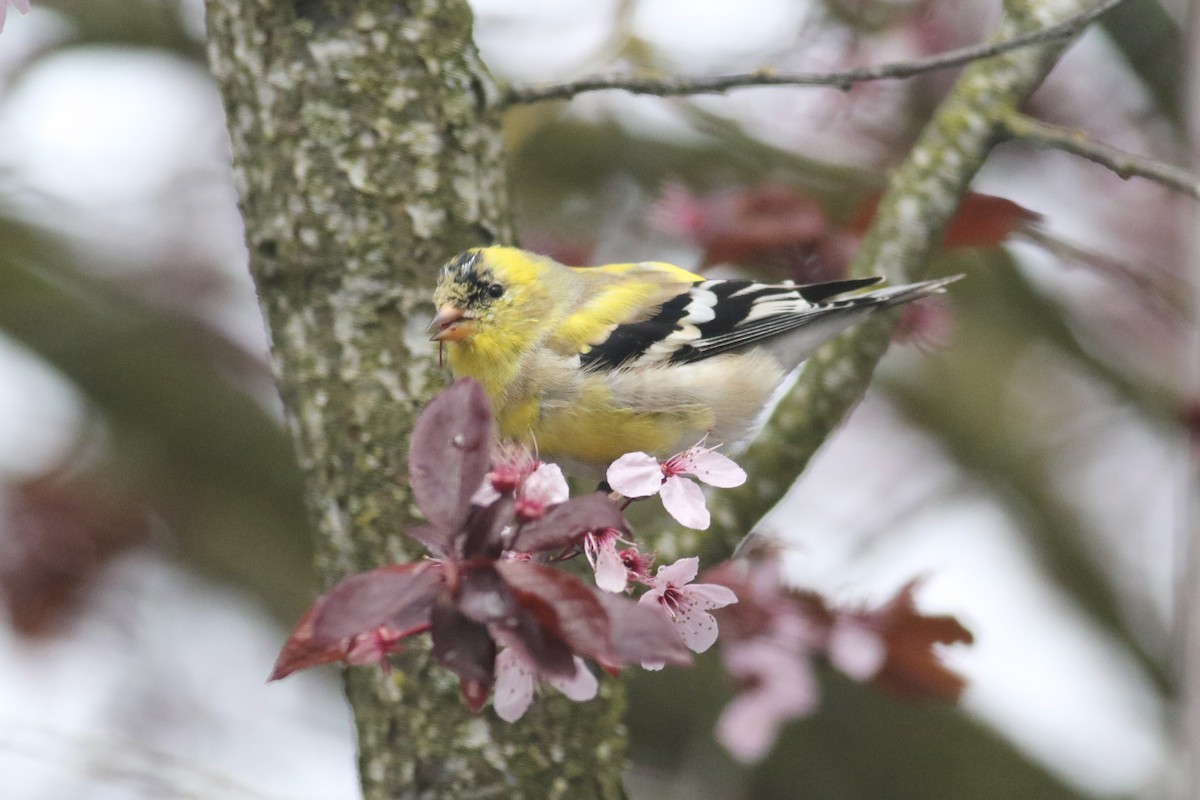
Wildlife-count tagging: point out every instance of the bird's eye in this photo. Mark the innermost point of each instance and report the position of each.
(495, 290)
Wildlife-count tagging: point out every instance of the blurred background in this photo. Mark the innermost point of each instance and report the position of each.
(1024, 448)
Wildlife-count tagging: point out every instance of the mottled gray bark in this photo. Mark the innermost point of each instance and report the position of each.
(922, 196)
(367, 150)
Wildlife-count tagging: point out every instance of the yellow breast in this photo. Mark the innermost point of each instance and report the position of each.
(591, 431)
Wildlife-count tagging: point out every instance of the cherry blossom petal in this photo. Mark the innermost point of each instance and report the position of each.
(682, 572)
(684, 501)
(580, 688)
(654, 598)
(713, 468)
(544, 487)
(514, 685)
(611, 575)
(635, 475)
(547, 485)
(711, 595)
(748, 727)
(856, 649)
(486, 495)
(697, 627)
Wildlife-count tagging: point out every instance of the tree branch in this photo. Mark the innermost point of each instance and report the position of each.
(664, 86)
(1122, 162)
(922, 196)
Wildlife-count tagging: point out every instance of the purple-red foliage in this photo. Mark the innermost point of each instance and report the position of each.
(909, 663)
(777, 230)
(58, 533)
(485, 588)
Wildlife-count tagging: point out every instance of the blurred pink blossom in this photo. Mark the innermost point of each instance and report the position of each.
(781, 687)
(856, 648)
(771, 639)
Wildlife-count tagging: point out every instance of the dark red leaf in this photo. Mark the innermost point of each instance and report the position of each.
(300, 652)
(398, 595)
(1189, 415)
(60, 531)
(641, 633)
(981, 220)
(912, 666)
(450, 453)
(435, 538)
(485, 528)
(462, 645)
(762, 224)
(475, 693)
(485, 597)
(563, 606)
(566, 522)
(536, 640)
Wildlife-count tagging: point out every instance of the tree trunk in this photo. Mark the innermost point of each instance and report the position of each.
(367, 151)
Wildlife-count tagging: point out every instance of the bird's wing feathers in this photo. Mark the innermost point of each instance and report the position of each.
(615, 296)
(712, 317)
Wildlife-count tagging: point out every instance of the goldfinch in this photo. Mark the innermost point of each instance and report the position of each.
(589, 363)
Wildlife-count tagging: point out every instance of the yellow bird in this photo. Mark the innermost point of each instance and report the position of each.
(590, 363)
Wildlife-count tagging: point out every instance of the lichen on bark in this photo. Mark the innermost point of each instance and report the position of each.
(367, 150)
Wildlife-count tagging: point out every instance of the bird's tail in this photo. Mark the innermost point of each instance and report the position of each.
(840, 310)
(897, 295)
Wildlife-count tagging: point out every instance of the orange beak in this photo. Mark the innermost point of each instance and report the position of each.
(452, 324)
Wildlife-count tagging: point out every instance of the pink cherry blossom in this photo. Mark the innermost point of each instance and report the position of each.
(600, 547)
(515, 679)
(536, 484)
(637, 564)
(20, 5)
(636, 475)
(511, 465)
(856, 648)
(687, 604)
(781, 687)
(546, 486)
(640, 475)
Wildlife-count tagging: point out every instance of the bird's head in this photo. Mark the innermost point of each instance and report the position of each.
(488, 292)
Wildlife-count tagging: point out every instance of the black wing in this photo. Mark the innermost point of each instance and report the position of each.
(713, 317)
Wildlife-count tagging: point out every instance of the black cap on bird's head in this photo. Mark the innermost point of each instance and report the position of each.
(466, 289)
(476, 288)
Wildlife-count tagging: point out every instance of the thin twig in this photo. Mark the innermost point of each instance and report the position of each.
(1162, 293)
(664, 86)
(1122, 162)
